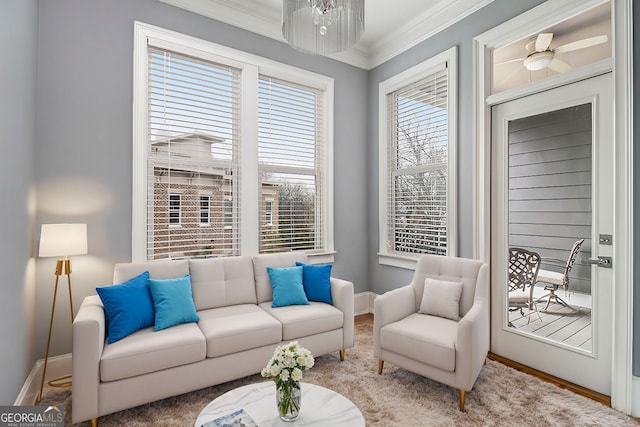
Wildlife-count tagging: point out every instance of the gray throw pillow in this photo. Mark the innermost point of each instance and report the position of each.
(441, 298)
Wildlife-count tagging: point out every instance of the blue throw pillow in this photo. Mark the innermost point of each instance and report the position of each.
(173, 301)
(287, 286)
(316, 280)
(128, 307)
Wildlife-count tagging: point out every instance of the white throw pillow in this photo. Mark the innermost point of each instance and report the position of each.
(441, 298)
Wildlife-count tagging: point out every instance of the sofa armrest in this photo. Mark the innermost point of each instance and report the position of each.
(472, 342)
(89, 329)
(391, 307)
(343, 299)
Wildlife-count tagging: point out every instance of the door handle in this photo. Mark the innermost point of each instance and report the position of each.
(601, 261)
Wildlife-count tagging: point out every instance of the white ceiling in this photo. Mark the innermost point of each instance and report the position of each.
(390, 27)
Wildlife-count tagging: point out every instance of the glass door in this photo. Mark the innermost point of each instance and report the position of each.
(552, 193)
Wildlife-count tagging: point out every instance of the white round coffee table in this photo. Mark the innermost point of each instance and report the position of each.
(319, 406)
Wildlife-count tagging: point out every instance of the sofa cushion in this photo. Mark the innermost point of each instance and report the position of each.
(157, 269)
(238, 327)
(303, 320)
(260, 264)
(286, 285)
(147, 351)
(173, 302)
(128, 307)
(219, 282)
(316, 280)
(427, 339)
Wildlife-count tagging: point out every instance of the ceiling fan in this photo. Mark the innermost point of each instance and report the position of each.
(540, 55)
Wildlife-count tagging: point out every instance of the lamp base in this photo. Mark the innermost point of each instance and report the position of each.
(63, 266)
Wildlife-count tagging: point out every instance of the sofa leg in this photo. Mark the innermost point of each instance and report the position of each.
(380, 366)
(94, 422)
(462, 394)
(342, 355)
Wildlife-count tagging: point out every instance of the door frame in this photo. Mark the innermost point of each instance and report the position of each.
(527, 24)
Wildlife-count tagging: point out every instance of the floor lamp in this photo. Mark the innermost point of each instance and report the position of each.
(60, 240)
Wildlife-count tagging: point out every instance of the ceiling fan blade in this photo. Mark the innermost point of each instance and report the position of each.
(543, 41)
(511, 75)
(509, 61)
(581, 44)
(559, 66)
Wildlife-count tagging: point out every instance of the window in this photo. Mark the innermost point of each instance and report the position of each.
(290, 156)
(175, 209)
(417, 161)
(228, 213)
(226, 131)
(192, 128)
(268, 212)
(205, 202)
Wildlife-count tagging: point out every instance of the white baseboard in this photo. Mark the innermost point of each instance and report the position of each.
(635, 397)
(57, 366)
(364, 303)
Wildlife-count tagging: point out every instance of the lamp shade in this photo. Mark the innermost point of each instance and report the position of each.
(63, 240)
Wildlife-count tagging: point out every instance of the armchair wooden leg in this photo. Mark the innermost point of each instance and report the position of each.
(342, 355)
(380, 366)
(462, 395)
(94, 422)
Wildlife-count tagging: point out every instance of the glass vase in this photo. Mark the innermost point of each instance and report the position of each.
(288, 397)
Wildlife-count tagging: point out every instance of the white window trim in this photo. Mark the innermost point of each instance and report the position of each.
(251, 65)
(394, 83)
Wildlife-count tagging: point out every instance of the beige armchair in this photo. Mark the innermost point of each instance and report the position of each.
(443, 336)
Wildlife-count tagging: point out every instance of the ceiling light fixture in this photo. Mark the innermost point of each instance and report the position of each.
(322, 27)
(538, 60)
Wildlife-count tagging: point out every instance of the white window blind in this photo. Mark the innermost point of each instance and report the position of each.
(290, 159)
(417, 183)
(193, 137)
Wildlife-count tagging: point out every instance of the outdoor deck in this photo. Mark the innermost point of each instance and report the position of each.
(567, 325)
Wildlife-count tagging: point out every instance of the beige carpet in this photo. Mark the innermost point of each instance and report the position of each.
(502, 397)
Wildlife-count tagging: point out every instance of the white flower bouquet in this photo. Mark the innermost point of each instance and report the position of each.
(285, 368)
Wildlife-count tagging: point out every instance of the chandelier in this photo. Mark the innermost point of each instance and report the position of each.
(322, 27)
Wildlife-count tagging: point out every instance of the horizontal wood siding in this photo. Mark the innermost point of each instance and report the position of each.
(550, 186)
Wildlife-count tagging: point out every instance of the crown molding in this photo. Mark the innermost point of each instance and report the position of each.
(239, 13)
(439, 17)
(248, 15)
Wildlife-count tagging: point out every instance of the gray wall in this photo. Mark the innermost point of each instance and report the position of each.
(384, 278)
(18, 47)
(85, 137)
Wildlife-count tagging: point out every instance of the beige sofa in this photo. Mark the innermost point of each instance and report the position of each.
(235, 336)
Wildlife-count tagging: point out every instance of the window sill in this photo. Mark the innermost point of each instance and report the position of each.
(320, 258)
(406, 262)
